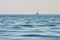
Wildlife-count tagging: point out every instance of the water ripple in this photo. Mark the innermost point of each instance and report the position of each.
(24, 27)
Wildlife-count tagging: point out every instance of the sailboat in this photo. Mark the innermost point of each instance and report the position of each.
(37, 12)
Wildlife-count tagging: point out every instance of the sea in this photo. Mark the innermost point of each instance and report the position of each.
(30, 27)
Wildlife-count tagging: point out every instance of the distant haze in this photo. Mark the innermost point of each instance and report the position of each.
(29, 6)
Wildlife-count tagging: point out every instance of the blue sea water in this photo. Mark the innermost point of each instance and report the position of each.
(29, 27)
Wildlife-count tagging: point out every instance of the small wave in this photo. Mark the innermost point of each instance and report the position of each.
(56, 31)
(46, 25)
(58, 23)
(41, 25)
(51, 24)
(27, 25)
(55, 28)
(20, 27)
(16, 27)
(3, 31)
(34, 35)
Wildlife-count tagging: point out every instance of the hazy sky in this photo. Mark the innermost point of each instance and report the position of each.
(29, 6)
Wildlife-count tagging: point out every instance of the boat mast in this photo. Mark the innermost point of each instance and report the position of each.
(37, 12)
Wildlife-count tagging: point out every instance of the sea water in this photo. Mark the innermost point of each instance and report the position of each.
(29, 27)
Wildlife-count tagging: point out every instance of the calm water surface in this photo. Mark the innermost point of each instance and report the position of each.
(29, 27)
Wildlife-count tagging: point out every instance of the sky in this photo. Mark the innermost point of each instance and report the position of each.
(29, 6)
